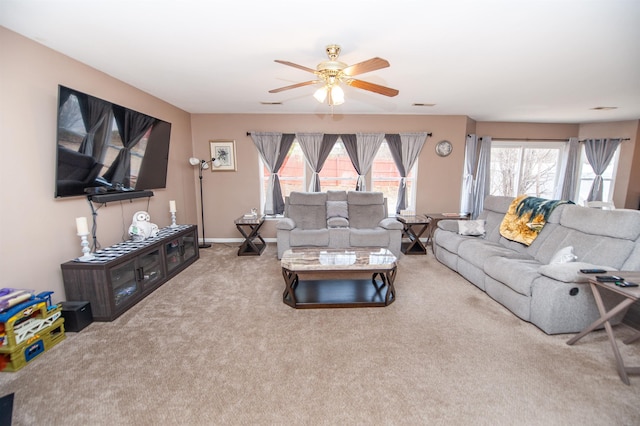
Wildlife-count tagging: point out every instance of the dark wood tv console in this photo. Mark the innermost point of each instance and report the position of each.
(123, 274)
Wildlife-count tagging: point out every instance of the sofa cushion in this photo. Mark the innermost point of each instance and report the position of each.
(564, 255)
(448, 240)
(498, 204)
(492, 221)
(493, 212)
(471, 227)
(309, 237)
(391, 223)
(337, 222)
(476, 251)
(336, 195)
(339, 237)
(570, 272)
(285, 224)
(517, 274)
(590, 248)
(375, 237)
(337, 209)
(308, 198)
(366, 209)
(308, 209)
(623, 224)
(633, 261)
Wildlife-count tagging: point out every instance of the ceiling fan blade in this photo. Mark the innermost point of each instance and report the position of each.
(291, 64)
(366, 66)
(293, 86)
(386, 91)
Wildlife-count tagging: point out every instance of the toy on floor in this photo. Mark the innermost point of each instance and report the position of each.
(10, 297)
(27, 328)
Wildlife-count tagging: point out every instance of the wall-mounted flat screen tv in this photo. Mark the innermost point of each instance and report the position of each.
(104, 147)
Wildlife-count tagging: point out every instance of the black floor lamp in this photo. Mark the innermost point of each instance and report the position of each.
(202, 165)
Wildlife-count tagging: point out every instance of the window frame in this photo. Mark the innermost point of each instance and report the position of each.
(612, 181)
(352, 179)
(264, 179)
(531, 144)
(411, 182)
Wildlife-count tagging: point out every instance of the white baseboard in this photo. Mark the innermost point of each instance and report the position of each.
(234, 240)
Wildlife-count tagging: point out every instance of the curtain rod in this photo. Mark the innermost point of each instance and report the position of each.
(621, 139)
(530, 139)
(544, 139)
(428, 134)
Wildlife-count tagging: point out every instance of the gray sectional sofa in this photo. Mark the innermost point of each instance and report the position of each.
(535, 282)
(337, 219)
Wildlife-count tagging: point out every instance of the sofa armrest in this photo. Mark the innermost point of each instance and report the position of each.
(390, 223)
(286, 224)
(448, 225)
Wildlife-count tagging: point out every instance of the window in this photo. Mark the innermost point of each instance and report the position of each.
(291, 174)
(386, 179)
(587, 175)
(338, 172)
(525, 168)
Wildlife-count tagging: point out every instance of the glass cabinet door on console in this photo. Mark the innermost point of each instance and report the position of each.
(149, 271)
(123, 283)
(137, 275)
(178, 251)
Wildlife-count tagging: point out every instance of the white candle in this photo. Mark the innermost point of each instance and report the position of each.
(82, 226)
(172, 206)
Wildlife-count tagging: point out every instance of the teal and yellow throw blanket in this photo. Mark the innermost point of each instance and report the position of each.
(526, 217)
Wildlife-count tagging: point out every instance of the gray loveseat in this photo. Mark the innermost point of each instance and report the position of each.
(337, 219)
(532, 281)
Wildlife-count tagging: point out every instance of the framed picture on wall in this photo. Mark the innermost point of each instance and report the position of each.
(223, 153)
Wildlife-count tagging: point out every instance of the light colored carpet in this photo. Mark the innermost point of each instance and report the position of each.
(216, 345)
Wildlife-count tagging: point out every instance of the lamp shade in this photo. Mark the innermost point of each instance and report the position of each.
(321, 94)
(194, 161)
(336, 96)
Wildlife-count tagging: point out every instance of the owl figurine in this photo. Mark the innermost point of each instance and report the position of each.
(141, 228)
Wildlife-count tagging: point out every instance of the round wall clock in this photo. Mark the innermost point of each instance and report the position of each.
(444, 148)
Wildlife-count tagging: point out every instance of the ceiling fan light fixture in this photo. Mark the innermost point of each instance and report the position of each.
(336, 95)
(334, 72)
(321, 94)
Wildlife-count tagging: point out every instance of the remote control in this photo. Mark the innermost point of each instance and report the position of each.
(626, 284)
(609, 278)
(593, 271)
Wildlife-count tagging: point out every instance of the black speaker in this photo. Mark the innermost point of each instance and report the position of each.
(77, 315)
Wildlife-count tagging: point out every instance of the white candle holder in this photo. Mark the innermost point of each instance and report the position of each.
(173, 220)
(86, 251)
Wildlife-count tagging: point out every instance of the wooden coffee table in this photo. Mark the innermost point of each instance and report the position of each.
(333, 278)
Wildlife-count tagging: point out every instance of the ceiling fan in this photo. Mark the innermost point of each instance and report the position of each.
(333, 72)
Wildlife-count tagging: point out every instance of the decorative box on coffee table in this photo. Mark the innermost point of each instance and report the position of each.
(123, 274)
